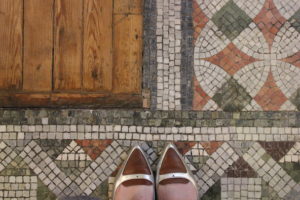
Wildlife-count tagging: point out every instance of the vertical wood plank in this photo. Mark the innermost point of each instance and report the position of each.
(97, 54)
(68, 45)
(127, 53)
(11, 44)
(128, 6)
(38, 44)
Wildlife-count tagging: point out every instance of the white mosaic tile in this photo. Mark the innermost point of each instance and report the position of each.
(6, 155)
(210, 42)
(73, 152)
(215, 167)
(288, 106)
(287, 8)
(293, 155)
(240, 188)
(253, 76)
(286, 42)
(210, 7)
(277, 178)
(286, 77)
(251, 8)
(59, 183)
(251, 41)
(168, 34)
(211, 77)
(18, 187)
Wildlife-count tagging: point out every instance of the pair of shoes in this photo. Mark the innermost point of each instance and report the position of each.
(174, 181)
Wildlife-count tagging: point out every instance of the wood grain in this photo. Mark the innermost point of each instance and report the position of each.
(68, 45)
(128, 6)
(97, 54)
(69, 100)
(127, 53)
(11, 44)
(38, 44)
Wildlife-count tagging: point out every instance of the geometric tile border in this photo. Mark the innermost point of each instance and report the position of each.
(58, 182)
(147, 133)
(246, 55)
(215, 167)
(270, 171)
(220, 157)
(18, 187)
(168, 38)
(241, 188)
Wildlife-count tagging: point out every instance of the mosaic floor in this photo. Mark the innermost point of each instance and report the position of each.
(40, 160)
(202, 57)
(246, 55)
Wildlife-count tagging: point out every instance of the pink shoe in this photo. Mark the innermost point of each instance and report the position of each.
(174, 181)
(135, 180)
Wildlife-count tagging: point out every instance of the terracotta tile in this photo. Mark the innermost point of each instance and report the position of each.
(241, 169)
(211, 147)
(200, 98)
(277, 149)
(231, 59)
(270, 97)
(199, 19)
(94, 147)
(269, 20)
(294, 59)
(184, 147)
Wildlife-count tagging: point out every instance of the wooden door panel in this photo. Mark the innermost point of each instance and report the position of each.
(70, 53)
(127, 53)
(97, 53)
(38, 45)
(11, 44)
(128, 6)
(68, 45)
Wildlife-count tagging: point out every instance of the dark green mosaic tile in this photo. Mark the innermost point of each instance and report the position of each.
(231, 20)
(214, 192)
(53, 147)
(101, 191)
(293, 169)
(197, 161)
(43, 193)
(72, 168)
(268, 193)
(295, 21)
(17, 167)
(295, 99)
(232, 97)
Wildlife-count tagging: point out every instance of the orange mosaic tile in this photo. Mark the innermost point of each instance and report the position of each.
(184, 147)
(270, 97)
(94, 147)
(294, 59)
(231, 59)
(200, 97)
(199, 19)
(269, 20)
(211, 147)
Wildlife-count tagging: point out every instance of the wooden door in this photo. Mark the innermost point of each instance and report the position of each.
(70, 53)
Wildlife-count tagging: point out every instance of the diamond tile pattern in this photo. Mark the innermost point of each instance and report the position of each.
(231, 20)
(295, 20)
(236, 164)
(246, 41)
(232, 97)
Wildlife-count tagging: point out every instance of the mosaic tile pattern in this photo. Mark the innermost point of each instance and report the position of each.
(246, 55)
(168, 36)
(18, 187)
(257, 173)
(241, 188)
(82, 159)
